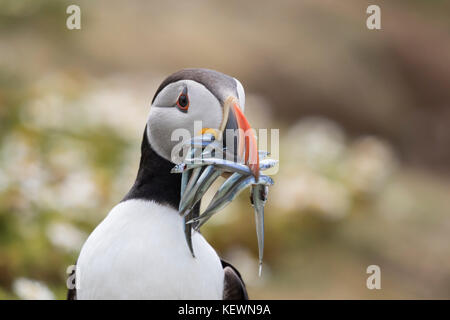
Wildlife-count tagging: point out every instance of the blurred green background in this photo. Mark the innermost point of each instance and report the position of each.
(364, 119)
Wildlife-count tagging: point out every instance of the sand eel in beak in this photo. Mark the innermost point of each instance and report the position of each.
(202, 167)
(241, 178)
(139, 250)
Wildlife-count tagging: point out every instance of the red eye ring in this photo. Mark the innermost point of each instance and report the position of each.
(183, 102)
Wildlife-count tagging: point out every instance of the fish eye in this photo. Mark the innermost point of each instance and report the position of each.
(183, 102)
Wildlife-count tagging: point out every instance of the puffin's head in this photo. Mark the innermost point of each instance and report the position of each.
(191, 95)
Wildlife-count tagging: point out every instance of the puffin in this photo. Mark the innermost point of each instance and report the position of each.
(139, 250)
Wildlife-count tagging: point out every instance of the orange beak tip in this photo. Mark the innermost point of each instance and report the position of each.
(251, 146)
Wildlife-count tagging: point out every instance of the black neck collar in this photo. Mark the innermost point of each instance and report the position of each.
(154, 180)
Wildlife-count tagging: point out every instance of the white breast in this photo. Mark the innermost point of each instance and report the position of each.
(139, 252)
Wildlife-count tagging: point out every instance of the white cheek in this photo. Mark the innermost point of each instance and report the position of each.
(162, 122)
(204, 106)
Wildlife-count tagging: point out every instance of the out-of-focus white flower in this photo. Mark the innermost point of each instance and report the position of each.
(370, 163)
(124, 177)
(28, 289)
(310, 191)
(316, 142)
(78, 191)
(65, 155)
(34, 182)
(120, 102)
(48, 111)
(117, 102)
(66, 236)
(14, 155)
(52, 105)
(21, 168)
(118, 108)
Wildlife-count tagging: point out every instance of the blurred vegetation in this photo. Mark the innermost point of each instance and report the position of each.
(364, 120)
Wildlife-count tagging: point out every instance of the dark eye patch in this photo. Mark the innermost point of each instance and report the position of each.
(183, 101)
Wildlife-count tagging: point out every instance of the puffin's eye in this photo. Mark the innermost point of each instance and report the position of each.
(183, 102)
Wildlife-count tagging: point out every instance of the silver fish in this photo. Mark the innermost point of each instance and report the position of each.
(206, 162)
(184, 180)
(224, 164)
(188, 231)
(213, 149)
(187, 200)
(179, 168)
(207, 137)
(258, 199)
(267, 164)
(205, 185)
(191, 183)
(189, 180)
(194, 165)
(216, 147)
(200, 142)
(223, 190)
(187, 228)
(227, 186)
(232, 187)
(242, 183)
(265, 180)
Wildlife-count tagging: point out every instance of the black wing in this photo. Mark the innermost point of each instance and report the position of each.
(72, 293)
(233, 285)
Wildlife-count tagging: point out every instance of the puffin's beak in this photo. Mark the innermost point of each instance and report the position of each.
(247, 148)
(247, 141)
